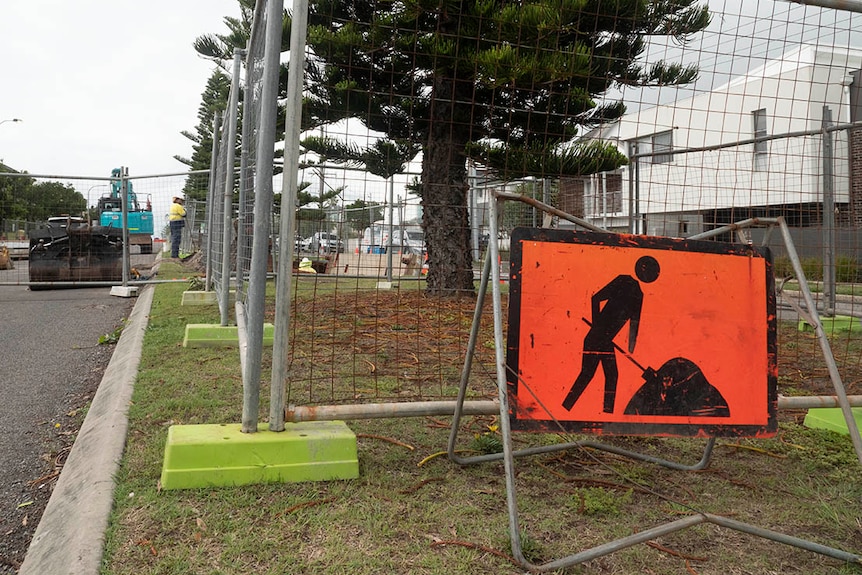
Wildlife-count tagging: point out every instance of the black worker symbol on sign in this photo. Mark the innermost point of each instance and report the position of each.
(623, 300)
(677, 388)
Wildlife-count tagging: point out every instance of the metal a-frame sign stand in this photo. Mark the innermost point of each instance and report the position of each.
(492, 273)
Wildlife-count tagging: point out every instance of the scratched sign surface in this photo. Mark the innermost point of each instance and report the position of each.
(640, 335)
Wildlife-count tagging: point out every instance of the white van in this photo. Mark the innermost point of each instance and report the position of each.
(411, 240)
(405, 239)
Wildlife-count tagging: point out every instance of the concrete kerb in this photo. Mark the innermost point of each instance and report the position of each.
(70, 537)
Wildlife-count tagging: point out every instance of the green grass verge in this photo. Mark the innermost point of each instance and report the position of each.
(413, 512)
(817, 287)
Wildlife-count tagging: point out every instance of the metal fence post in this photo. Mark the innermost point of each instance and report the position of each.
(262, 210)
(124, 203)
(211, 200)
(290, 176)
(391, 246)
(228, 185)
(828, 216)
(632, 175)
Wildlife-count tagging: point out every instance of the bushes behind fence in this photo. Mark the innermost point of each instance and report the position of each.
(847, 269)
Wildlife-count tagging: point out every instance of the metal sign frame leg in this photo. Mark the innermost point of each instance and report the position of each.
(509, 454)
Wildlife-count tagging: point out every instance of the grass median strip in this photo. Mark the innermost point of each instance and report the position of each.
(411, 512)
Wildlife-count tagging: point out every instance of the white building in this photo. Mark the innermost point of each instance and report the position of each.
(680, 194)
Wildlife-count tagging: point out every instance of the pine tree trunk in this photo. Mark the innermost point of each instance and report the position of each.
(444, 198)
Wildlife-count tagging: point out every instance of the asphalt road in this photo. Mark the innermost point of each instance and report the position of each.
(51, 364)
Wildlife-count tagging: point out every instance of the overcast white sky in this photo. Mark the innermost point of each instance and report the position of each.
(102, 83)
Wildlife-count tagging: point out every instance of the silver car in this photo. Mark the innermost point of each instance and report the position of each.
(326, 243)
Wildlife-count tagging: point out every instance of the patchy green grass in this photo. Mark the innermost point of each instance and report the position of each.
(854, 289)
(412, 511)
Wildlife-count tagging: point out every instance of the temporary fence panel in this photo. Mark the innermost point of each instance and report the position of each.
(263, 51)
(691, 158)
(727, 118)
(251, 124)
(215, 218)
(207, 245)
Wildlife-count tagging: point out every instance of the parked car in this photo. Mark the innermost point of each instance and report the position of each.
(407, 239)
(325, 243)
(410, 241)
(299, 244)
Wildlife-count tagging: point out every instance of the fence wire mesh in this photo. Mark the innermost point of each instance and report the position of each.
(220, 231)
(747, 112)
(404, 144)
(659, 118)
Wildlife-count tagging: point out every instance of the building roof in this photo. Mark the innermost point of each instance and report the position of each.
(789, 64)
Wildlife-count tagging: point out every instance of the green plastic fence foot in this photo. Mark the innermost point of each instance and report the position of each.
(211, 335)
(221, 455)
(199, 298)
(833, 324)
(195, 297)
(832, 418)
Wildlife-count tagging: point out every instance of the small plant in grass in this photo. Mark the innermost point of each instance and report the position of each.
(673, 508)
(823, 450)
(196, 283)
(598, 501)
(111, 338)
(789, 385)
(488, 442)
(388, 384)
(529, 547)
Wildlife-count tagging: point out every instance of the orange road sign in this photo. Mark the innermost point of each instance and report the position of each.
(640, 335)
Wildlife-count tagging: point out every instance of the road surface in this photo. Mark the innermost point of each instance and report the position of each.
(51, 363)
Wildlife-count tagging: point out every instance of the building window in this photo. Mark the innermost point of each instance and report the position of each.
(603, 194)
(614, 193)
(662, 142)
(589, 198)
(758, 121)
(655, 144)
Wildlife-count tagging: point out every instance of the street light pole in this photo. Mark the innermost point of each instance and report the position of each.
(9, 120)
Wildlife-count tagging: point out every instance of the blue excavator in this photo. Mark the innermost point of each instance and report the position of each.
(73, 249)
(141, 223)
